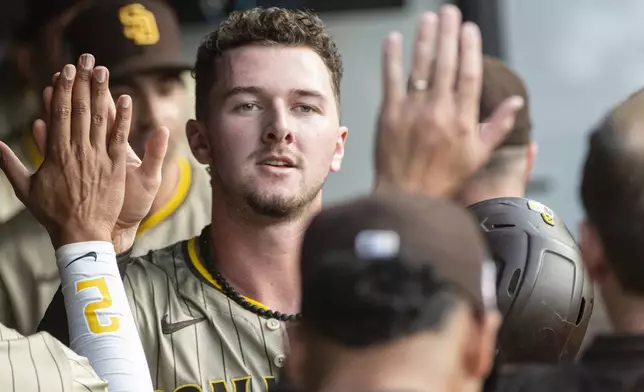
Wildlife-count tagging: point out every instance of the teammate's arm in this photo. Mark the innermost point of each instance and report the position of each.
(101, 326)
(55, 322)
(77, 194)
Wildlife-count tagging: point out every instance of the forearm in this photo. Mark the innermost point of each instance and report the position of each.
(54, 321)
(101, 325)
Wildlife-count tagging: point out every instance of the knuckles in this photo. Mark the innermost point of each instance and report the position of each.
(470, 77)
(83, 76)
(98, 118)
(66, 85)
(436, 118)
(464, 125)
(63, 111)
(123, 116)
(80, 106)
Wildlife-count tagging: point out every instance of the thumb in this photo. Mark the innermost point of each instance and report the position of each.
(16, 172)
(155, 150)
(494, 129)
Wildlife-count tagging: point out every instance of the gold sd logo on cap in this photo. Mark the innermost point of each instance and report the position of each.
(139, 24)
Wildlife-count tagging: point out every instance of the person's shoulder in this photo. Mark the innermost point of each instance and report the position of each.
(159, 262)
(83, 376)
(168, 254)
(8, 334)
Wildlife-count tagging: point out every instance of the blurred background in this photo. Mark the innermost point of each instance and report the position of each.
(577, 57)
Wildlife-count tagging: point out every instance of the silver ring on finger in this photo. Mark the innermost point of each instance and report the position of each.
(418, 85)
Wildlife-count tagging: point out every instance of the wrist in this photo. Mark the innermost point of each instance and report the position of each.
(74, 258)
(123, 238)
(67, 237)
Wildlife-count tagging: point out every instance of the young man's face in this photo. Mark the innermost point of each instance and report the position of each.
(158, 99)
(273, 128)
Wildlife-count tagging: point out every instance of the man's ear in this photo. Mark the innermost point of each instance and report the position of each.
(198, 140)
(338, 154)
(592, 251)
(482, 349)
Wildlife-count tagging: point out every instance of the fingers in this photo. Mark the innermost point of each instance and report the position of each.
(100, 103)
(111, 113)
(39, 132)
(470, 76)
(393, 73)
(61, 109)
(46, 98)
(155, 150)
(117, 147)
(497, 126)
(447, 49)
(46, 103)
(423, 49)
(81, 100)
(16, 172)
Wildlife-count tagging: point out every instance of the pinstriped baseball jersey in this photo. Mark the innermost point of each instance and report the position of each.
(28, 274)
(41, 363)
(194, 336)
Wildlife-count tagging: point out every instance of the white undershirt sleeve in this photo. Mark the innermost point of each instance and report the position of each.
(101, 326)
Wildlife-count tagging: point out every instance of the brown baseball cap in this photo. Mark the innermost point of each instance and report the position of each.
(439, 241)
(500, 83)
(128, 36)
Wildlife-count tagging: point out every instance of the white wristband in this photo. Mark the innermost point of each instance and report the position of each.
(101, 326)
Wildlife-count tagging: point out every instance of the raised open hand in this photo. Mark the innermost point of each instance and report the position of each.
(78, 191)
(143, 177)
(429, 138)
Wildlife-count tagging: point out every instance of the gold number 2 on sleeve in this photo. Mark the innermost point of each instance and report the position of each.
(106, 302)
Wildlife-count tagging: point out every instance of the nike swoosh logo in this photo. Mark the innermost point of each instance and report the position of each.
(88, 254)
(169, 328)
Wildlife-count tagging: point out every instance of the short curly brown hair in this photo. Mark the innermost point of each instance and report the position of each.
(262, 26)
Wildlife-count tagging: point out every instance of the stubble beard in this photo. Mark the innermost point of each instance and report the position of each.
(263, 204)
(278, 206)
